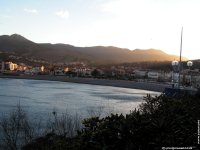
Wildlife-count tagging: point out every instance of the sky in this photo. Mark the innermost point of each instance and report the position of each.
(128, 24)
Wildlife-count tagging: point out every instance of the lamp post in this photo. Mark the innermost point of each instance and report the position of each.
(175, 65)
(189, 64)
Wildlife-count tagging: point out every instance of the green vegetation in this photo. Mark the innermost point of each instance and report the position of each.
(159, 122)
(95, 73)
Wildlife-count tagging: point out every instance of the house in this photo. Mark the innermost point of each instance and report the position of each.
(8, 66)
(66, 69)
(35, 70)
(42, 68)
(82, 71)
(59, 72)
(140, 73)
(1, 67)
(153, 75)
(165, 76)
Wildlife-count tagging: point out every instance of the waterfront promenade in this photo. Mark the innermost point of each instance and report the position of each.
(158, 87)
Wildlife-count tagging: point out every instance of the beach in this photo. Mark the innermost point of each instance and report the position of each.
(157, 87)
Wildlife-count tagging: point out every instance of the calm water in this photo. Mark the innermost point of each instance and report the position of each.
(40, 98)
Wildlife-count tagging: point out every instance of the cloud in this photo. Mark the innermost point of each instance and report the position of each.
(32, 11)
(63, 14)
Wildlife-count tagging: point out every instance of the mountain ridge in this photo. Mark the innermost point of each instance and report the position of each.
(59, 52)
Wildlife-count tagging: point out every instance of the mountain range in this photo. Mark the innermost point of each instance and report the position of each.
(18, 47)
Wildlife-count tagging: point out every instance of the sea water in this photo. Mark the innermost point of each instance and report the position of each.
(39, 98)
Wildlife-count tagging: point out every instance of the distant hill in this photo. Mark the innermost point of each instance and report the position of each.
(17, 45)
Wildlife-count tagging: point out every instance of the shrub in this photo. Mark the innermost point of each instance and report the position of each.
(159, 122)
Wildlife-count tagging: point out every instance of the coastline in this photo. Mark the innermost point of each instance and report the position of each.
(157, 87)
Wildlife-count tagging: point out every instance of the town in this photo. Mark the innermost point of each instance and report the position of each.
(188, 76)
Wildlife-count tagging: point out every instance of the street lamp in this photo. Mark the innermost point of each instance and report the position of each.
(175, 65)
(189, 64)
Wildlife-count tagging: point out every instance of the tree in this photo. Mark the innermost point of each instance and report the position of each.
(159, 122)
(95, 73)
(16, 130)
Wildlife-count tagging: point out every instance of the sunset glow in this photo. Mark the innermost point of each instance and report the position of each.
(123, 23)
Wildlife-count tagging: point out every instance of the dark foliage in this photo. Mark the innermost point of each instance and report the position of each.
(95, 73)
(53, 142)
(160, 122)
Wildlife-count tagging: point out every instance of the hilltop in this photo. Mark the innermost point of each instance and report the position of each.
(19, 48)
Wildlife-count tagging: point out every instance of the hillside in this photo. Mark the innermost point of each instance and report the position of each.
(22, 48)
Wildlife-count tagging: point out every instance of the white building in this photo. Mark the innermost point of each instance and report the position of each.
(165, 76)
(153, 75)
(42, 68)
(83, 71)
(140, 73)
(8, 66)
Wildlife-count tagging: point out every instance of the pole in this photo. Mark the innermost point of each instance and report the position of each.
(180, 62)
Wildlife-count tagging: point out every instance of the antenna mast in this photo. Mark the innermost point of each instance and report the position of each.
(180, 61)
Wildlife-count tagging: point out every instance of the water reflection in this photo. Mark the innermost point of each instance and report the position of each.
(41, 97)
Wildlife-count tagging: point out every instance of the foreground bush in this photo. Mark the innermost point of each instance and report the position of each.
(17, 130)
(159, 122)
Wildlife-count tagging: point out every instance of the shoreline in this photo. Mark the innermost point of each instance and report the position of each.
(156, 87)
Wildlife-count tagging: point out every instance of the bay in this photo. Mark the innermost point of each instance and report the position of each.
(40, 98)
